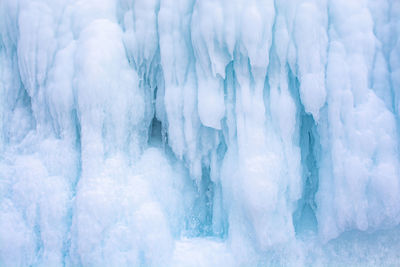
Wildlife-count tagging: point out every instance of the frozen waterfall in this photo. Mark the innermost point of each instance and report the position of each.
(199, 133)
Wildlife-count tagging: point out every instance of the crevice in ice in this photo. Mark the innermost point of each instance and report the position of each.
(304, 218)
(66, 247)
(155, 133)
(229, 122)
(201, 223)
(210, 218)
(38, 236)
(219, 215)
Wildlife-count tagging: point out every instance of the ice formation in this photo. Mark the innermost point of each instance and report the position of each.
(199, 132)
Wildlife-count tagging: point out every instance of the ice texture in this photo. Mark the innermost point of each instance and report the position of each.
(199, 132)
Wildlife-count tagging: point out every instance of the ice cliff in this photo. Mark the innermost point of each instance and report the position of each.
(199, 132)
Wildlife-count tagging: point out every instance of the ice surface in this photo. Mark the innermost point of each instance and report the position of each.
(199, 133)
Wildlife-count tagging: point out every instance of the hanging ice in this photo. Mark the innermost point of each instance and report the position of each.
(199, 133)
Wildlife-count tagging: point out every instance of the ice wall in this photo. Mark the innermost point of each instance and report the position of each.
(199, 133)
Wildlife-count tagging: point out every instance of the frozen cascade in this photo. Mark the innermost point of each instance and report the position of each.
(199, 132)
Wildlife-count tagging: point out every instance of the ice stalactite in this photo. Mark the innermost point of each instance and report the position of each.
(160, 132)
